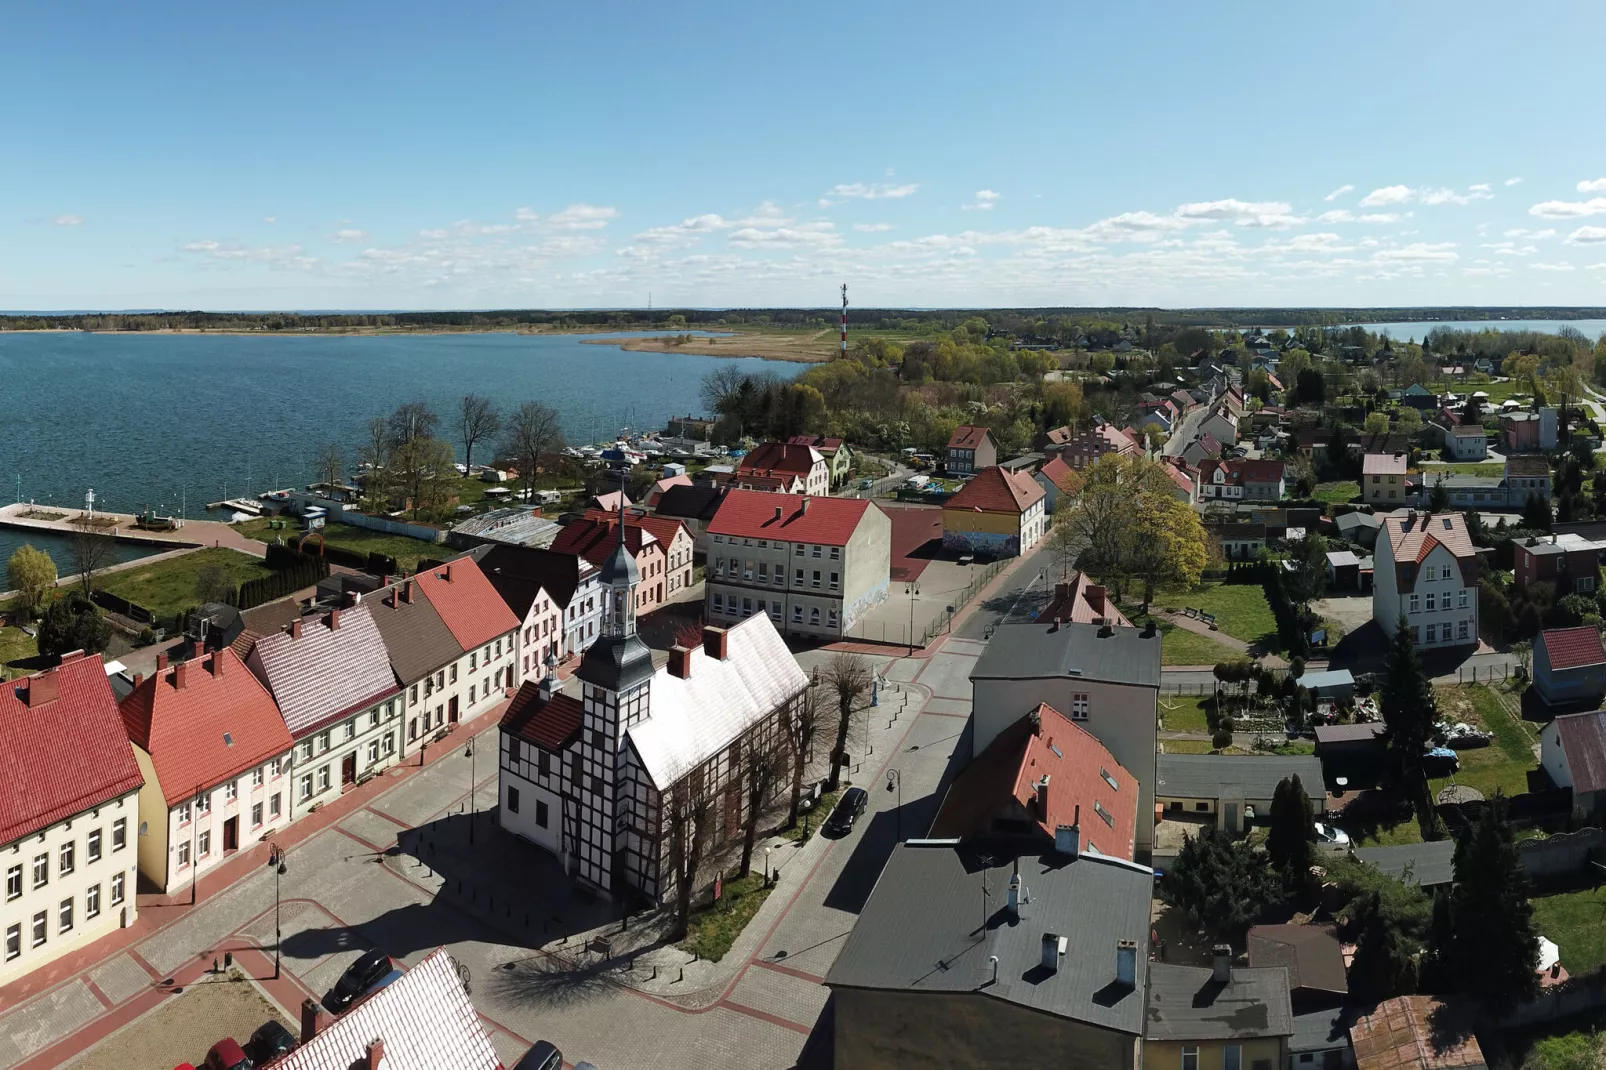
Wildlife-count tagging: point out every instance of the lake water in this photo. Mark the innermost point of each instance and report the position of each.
(59, 547)
(1400, 331)
(171, 420)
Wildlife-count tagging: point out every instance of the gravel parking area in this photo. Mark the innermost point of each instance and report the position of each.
(187, 1025)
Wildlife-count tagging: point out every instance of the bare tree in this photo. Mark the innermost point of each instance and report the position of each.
(423, 470)
(848, 675)
(532, 431)
(762, 761)
(331, 465)
(1065, 543)
(721, 386)
(802, 724)
(375, 457)
(214, 582)
(91, 552)
(412, 421)
(477, 421)
(688, 815)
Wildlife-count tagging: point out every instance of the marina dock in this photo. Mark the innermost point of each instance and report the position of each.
(124, 527)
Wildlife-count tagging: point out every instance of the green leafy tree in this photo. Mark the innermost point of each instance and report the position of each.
(1219, 883)
(1383, 966)
(1291, 840)
(1494, 949)
(1306, 581)
(1377, 423)
(73, 623)
(1407, 702)
(32, 574)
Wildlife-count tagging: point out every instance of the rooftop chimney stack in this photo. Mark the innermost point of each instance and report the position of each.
(376, 1054)
(1053, 948)
(1095, 597)
(680, 662)
(1042, 798)
(295, 628)
(161, 662)
(309, 1021)
(139, 678)
(1014, 895)
(1068, 840)
(407, 592)
(217, 663)
(778, 512)
(1126, 963)
(181, 675)
(1149, 629)
(1106, 631)
(714, 643)
(334, 619)
(804, 505)
(1221, 964)
(447, 575)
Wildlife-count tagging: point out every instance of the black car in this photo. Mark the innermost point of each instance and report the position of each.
(270, 1041)
(543, 1055)
(370, 968)
(848, 809)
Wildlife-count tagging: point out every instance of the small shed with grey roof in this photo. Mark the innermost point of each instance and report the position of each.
(1359, 528)
(1335, 683)
(1352, 751)
(1225, 785)
(1054, 974)
(1224, 1003)
(1426, 864)
(1321, 1039)
(1572, 752)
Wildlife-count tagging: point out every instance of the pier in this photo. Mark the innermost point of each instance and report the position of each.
(190, 535)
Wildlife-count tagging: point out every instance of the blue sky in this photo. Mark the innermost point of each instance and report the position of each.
(409, 155)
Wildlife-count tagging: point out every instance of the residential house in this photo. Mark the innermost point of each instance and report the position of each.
(999, 512)
(486, 631)
(655, 493)
(1160, 414)
(1570, 562)
(1526, 477)
(422, 1020)
(815, 566)
(1078, 600)
(1240, 479)
(1183, 400)
(1221, 425)
(679, 549)
(698, 428)
(1415, 1033)
(1058, 480)
(791, 464)
(1383, 479)
(533, 583)
(1201, 448)
(1360, 528)
(970, 449)
(1572, 752)
(1221, 1017)
(593, 537)
(1569, 666)
(1464, 442)
(1318, 984)
(1529, 432)
(1430, 865)
(1241, 540)
(597, 779)
(1042, 774)
(215, 755)
(1313, 441)
(1055, 975)
(610, 501)
(694, 507)
(1052, 440)
(1106, 678)
(68, 814)
(1184, 476)
(1232, 789)
(1417, 396)
(836, 453)
(1426, 572)
(1381, 442)
(1086, 447)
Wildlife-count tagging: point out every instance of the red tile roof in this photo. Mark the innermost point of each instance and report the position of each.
(772, 457)
(1058, 436)
(751, 514)
(662, 528)
(967, 438)
(467, 602)
(1003, 782)
(1081, 601)
(62, 747)
(825, 445)
(218, 725)
(1240, 471)
(996, 490)
(1062, 475)
(1385, 464)
(1573, 648)
(1414, 535)
(594, 536)
(549, 724)
(664, 484)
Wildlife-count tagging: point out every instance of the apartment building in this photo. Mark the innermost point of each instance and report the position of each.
(594, 536)
(1383, 479)
(215, 755)
(814, 565)
(999, 512)
(1426, 571)
(970, 449)
(68, 815)
(786, 461)
(565, 584)
(488, 635)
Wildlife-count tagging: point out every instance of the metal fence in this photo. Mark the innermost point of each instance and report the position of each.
(899, 631)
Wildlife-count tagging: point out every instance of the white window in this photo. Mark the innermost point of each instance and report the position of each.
(183, 854)
(231, 790)
(835, 581)
(390, 743)
(816, 581)
(68, 859)
(1462, 601)
(1079, 707)
(1431, 606)
(203, 804)
(92, 901)
(119, 834)
(183, 813)
(1461, 630)
(373, 717)
(1190, 1059)
(306, 786)
(323, 742)
(814, 616)
(256, 815)
(41, 870)
(306, 747)
(13, 941)
(816, 551)
(323, 779)
(92, 846)
(203, 843)
(14, 882)
(117, 888)
(1432, 634)
(273, 805)
(39, 921)
(351, 728)
(256, 777)
(1416, 603)
(373, 747)
(797, 614)
(836, 553)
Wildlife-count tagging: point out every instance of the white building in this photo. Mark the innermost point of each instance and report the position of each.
(1426, 570)
(69, 811)
(568, 583)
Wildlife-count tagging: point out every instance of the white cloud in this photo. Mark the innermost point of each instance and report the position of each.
(1336, 215)
(1132, 226)
(1552, 267)
(871, 228)
(348, 234)
(1587, 236)
(1383, 217)
(1514, 181)
(802, 236)
(434, 235)
(1480, 187)
(985, 199)
(1592, 185)
(1569, 209)
(68, 220)
(1536, 235)
(1419, 252)
(1339, 192)
(275, 256)
(582, 217)
(1387, 195)
(270, 219)
(1241, 213)
(526, 215)
(871, 191)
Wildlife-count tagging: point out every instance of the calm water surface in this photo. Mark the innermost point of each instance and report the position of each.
(1402, 331)
(161, 420)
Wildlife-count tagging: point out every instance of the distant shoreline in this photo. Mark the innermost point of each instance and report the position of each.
(789, 347)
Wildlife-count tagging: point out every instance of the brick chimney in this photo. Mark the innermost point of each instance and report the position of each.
(350, 598)
(714, 642)
(407, 592)
(181, 675)
(680, 662)
(334, 619)
(309, 1020)
(295, 628)
(1095, 597)
(1042, 798)
(447, 574)
(161, 661)
(43, 689)
(376, 1054)
(1062, 591)
(139, 678)
(1221, 964)
(217, 663)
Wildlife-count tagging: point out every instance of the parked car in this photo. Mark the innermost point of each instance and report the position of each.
(1332, 837)
(227, 1055)
(543, 1055)
(848, 809)
(370, 968)
(270, 1041)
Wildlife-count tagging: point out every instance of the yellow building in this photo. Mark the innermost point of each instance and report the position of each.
(1223, 1017)
(1383, 479)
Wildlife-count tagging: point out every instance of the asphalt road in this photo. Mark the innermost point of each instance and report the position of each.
(1028, 589)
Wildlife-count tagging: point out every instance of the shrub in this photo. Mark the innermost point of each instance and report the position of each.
(1222, 739)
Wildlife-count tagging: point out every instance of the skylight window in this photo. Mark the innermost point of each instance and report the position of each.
(1057, 752)
(228, 740)
(1098, 808)
(1110, 780)
(1446, 523)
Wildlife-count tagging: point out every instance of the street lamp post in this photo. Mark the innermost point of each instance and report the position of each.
(912, 590)
(472, 781)
(895, 780)
(276, 863)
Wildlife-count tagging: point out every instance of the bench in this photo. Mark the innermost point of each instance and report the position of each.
(1208, 618)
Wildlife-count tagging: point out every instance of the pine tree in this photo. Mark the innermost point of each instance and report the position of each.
(1291, 840)
(1382, 967)
(1406, 701)
(1494, 949)
(1219, 883)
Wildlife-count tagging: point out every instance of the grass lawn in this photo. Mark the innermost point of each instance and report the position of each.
(168, 587)
(1178, 646)
(1485, 469)
(1406, 830)
(1240, 609)
(1196, 746)
(710, 933)
(349, 537)
(1337, 493)
(821, 811)
(1573, 921)
(15, 644)
(1506, 762)
(1180, 713)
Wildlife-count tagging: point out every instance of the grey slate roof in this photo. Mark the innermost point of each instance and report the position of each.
(1320, 1031)
(1200, 776)
(918, 932)
(1030, 650)
(327, 672)
(1430, 864)
(416, 638)
(1185, 1004)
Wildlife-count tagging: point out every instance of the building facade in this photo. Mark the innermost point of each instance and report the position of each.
(970, 449)
(525, 577)
(1426, 571)
(785, 461)
(1383, 479)
(999, 512)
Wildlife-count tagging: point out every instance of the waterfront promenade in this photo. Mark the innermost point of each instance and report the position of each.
(193, 535)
